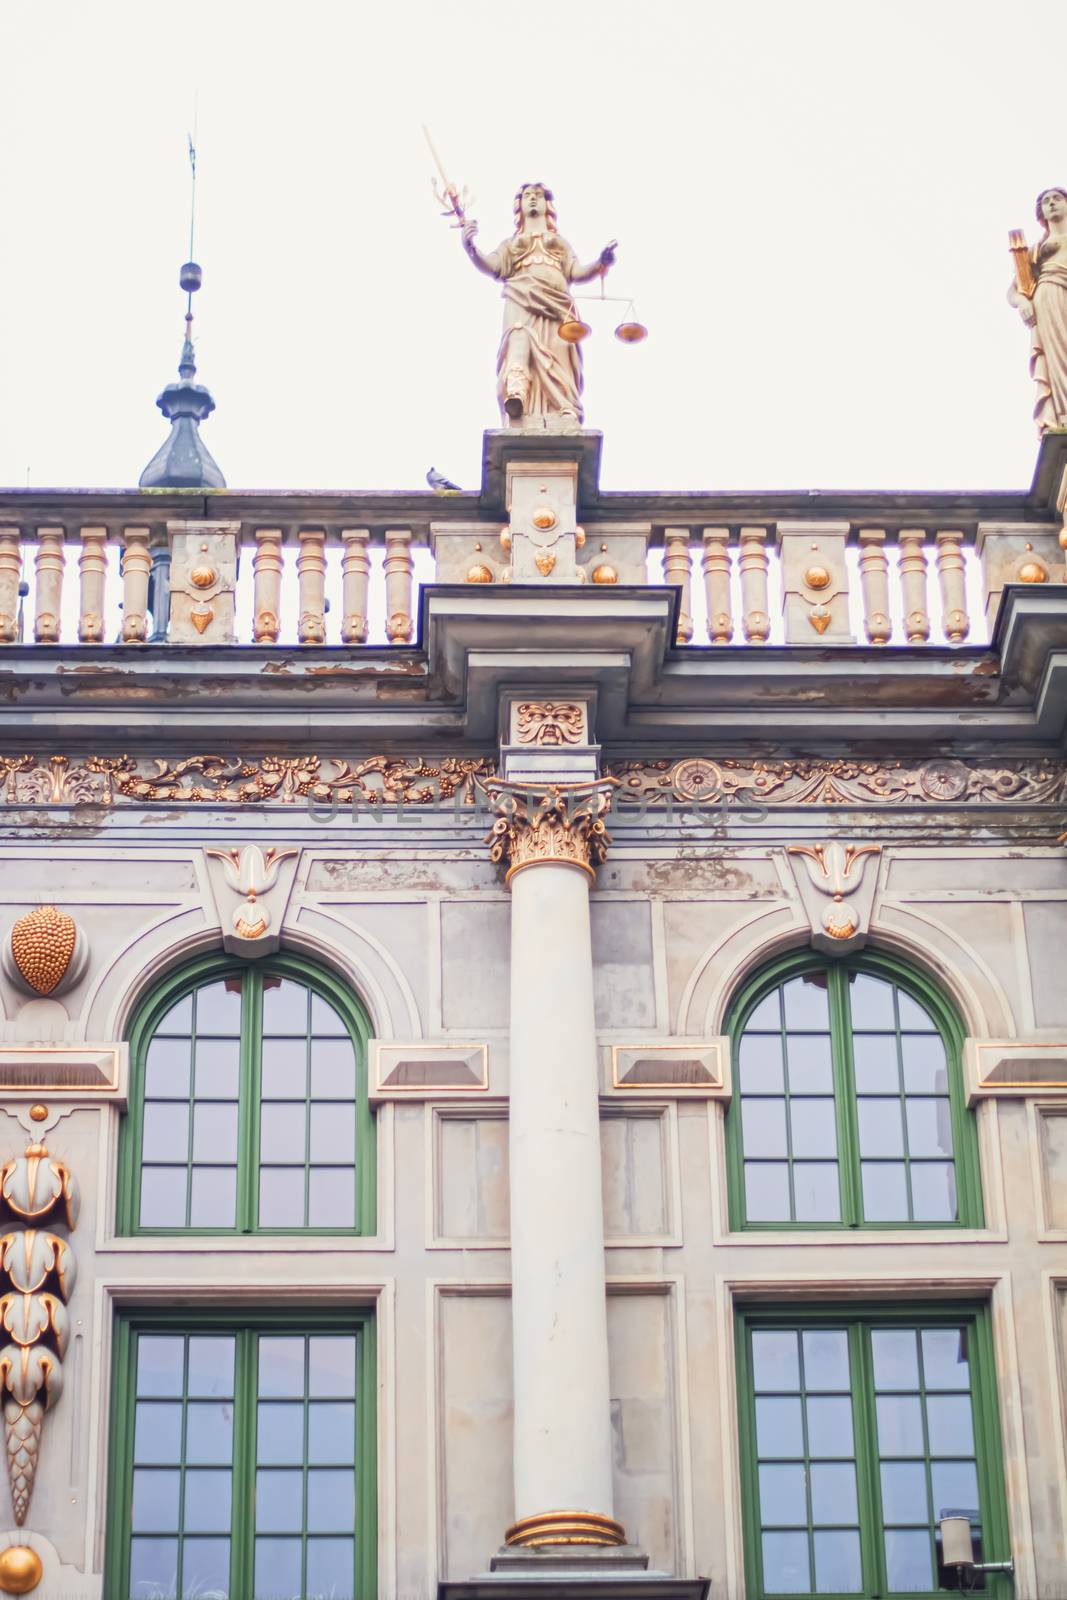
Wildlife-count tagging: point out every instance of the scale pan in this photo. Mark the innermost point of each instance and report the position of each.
(631, 332)
(574, 331)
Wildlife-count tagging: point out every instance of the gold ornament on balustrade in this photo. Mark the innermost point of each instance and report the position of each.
(479, 574)
(544, 517)
(203, 577)
(605, 573)
(817, 577)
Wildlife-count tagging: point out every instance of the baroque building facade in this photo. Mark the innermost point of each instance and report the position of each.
(549, 1104)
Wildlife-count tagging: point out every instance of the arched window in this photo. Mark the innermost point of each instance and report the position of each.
(848, 1101)
(248, 1104)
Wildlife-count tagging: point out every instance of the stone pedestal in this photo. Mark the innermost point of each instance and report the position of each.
(814, 582)
(203, 582)
(1016, 552)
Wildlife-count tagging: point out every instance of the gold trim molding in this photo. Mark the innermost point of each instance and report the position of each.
(566, 1527)
(561, 827)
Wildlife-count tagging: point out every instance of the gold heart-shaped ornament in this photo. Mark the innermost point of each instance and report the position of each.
(42, 943)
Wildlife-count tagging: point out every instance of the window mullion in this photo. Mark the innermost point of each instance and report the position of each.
(868, 1487)
(242, 1530)
(845, 1097)
(248, 1100)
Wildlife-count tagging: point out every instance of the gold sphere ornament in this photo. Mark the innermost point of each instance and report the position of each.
(42, 944)
(38, 1113)
(544, 517)
(21, 1569)
(202, 577)
(605, 573)
(479, 574)
(573, 331)
(1032, 572)
(816, 577)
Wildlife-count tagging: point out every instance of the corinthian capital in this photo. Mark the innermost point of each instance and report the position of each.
(562, 825)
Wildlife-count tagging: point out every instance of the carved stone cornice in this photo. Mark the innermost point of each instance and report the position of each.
(562, 826)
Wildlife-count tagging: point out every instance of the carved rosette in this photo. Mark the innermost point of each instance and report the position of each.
(562, 826)
(36, 1278)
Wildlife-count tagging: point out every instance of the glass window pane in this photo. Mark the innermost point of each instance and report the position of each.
(778, 1427)
(218, 1008)
(871, 1000)
(207, 1501)
(167, 1069)
(213, 1203)
(785, 1563)
(768, 1014)
(333, 1134)
(954, 1485)
(284, 1069)
(209, 1432)
(329, 1568)
(806, 1003)
(829, 1425)
(211, 1366)
(775, 1362)
(281, 1366)
(325, 1021)
(833, 1492)
(166, 1131)
(904, 1492)
(767, 1191)
(948, 1419)
(760, 1064)
(782, 1498)
(945, 1359)
(281, 1197)
(810, 1067)
(155, 1500)
(278, 1569)
(925, 1069)
(813, 1128)
(214, 1132)
(826, 1364)
(763, 1127)
(881, 1127)
(280, 1499)
(285, 1007)
(914, 1017)
(896, 1358)
(900, 1425)
(929, 1127)
(908, 1560)
(331, 1366)
(154, 1568)
(933, 1191)
(279, 1433)
(163, 1193)
(179, 1019)
(205, 1569)
(885, 1191)
(158, 1433)
(837, 1561)
(816, 1191)
(160, 1364)
(331, 1432)
(331, 1500)
(877, 1068)
(217, 1067)
(333, 1069)
(282, 1132)
(332, 1197)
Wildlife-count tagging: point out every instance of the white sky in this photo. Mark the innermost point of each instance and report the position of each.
(812, 200)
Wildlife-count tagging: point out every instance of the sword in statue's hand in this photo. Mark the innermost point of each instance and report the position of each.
(454, 202)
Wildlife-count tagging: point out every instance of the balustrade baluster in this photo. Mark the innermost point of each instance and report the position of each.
(755, 619)
(874, 581)
(952, 577)
(267, 585)
(311, 573)
(10, 572)
(677, 570)
(913, 584)
(49, 606)
(92, 570)
(136, 566)
(398, 570)
(355, 582)
(717, 585)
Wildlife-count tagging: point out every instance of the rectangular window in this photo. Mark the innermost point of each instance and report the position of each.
(243, 1460)
(857, 1434)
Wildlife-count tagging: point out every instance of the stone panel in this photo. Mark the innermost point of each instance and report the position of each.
(622, 964)
(113, 874)
(472, 1177)
(474, 1429)
(475, 963)
(1046, 924)
(1053, 1131)
(634, 1167)
(641, 1357)
(998, 874)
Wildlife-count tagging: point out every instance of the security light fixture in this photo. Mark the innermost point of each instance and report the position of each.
(958, 1552)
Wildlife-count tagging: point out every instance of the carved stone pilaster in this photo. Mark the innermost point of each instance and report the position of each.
(562, 826)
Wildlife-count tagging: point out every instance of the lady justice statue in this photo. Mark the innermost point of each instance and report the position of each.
(1040, 295)
(539, 371)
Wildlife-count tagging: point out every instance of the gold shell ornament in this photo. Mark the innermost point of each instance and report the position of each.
(479, 574)
(21, 1569)
(203, 577)
(42, 946)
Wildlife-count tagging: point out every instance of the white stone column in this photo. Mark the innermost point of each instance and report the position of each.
(550, 846)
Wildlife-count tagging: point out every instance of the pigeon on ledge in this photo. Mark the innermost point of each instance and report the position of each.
(440, 484)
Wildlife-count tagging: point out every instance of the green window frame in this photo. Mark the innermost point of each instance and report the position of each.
(832, 1099)
(847, 1464)
(170, 1446)
(244, 1096)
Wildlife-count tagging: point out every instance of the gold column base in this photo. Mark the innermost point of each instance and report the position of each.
(566, 1527)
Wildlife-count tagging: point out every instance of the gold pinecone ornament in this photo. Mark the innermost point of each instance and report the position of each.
(42, 946)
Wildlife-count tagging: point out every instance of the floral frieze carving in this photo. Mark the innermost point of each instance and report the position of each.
(697, 780)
